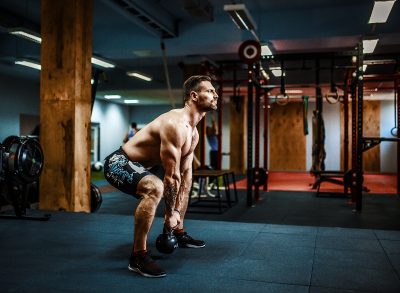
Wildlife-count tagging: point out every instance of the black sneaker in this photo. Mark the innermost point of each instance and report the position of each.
(184, 240)
(145, 266)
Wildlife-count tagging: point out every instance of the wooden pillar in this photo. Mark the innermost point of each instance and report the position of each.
(65, 104)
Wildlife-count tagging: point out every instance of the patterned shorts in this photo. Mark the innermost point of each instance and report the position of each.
(124, 174)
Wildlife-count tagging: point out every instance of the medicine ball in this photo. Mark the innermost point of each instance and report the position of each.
(97, 166)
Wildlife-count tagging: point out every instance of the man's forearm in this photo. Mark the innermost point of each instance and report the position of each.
(183, 193)
(170, 195)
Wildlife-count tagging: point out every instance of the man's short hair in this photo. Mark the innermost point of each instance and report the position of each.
(133, 124)
(192, 84)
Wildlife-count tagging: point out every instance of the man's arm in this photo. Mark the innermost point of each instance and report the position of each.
(186, 183)
(172, 139)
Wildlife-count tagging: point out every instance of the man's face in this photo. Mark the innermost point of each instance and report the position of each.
(207, 97)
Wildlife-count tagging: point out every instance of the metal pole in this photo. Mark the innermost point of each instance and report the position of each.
(266, 111)
(250, 137)
(346, 125)
(257, 144)
(359, 172)
(353, 138)
(397, 92)
(220, 110)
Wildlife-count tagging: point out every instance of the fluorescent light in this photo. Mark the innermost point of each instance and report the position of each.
(139, 75)
(369, 45)
(380, 12)
(365, 67)
(30, 64)
(112, 97)
(92, 81)
(293, 91)
(23, 33)
(265, 51)
(240, 16)
(131, 101)
(276, 71)
(102, 63)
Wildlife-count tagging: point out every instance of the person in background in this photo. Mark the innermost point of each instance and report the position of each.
(132, 131)
(212, 138)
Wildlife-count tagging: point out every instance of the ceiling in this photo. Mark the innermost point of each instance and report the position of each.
(195, 31)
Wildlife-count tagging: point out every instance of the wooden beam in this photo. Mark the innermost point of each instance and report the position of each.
(65, 104)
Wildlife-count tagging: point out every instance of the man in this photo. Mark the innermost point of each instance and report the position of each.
(167, 142)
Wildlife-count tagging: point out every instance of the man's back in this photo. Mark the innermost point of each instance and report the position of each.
(145, 146)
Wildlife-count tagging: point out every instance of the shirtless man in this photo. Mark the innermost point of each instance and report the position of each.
(167, 142)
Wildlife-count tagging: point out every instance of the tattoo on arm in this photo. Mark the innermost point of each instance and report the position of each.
(170, 194)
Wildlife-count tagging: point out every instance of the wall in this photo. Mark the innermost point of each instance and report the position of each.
(114, 123)
(142, 115)
(17, 97)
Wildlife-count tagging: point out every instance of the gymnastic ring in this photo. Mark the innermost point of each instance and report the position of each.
(393, 131)
(332, 98)
(282, 99)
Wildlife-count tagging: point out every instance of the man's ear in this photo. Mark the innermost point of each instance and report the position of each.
(194, 96)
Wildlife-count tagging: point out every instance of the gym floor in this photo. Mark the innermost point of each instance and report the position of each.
(288, 242)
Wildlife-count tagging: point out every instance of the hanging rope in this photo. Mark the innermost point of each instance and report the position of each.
(170, 96)
(394, 130)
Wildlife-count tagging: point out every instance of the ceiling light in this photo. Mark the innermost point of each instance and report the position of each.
(26, 34)
(112, 97)
(240, 16)
(380, 12)
(364, 67)
(293, 91)
(28, 63)
(369, 45)
(102, 63)
(139, 75)
(276, 71)
(131, 101)
(266, 51)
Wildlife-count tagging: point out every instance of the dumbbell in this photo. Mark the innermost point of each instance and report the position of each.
(166, 242)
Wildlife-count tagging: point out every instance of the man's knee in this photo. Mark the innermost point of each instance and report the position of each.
(151, 186)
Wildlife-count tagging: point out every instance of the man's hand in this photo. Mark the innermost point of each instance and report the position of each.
(172, 221)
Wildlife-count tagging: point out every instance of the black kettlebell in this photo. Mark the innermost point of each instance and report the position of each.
(166, 242)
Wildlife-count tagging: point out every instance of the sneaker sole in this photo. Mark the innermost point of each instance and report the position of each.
(136, 270)
(191, 246)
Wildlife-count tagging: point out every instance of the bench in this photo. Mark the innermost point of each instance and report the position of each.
(223, 199)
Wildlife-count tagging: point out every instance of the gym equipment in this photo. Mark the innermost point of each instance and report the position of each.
(166, 242)
(21, 161)
(250, 51)
(260, 176)
(282, 99)
(97, 166)
(8, 140)
(24, 159)
(96, 198)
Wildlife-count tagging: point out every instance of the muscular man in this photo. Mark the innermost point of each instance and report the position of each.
(165, 143)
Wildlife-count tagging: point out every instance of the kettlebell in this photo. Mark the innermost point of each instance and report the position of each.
(166, 242)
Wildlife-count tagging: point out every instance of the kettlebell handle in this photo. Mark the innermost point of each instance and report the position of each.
(167, 230)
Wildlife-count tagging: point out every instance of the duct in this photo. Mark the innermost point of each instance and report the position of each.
(201, 10)
(148, 16)
(9, 20)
